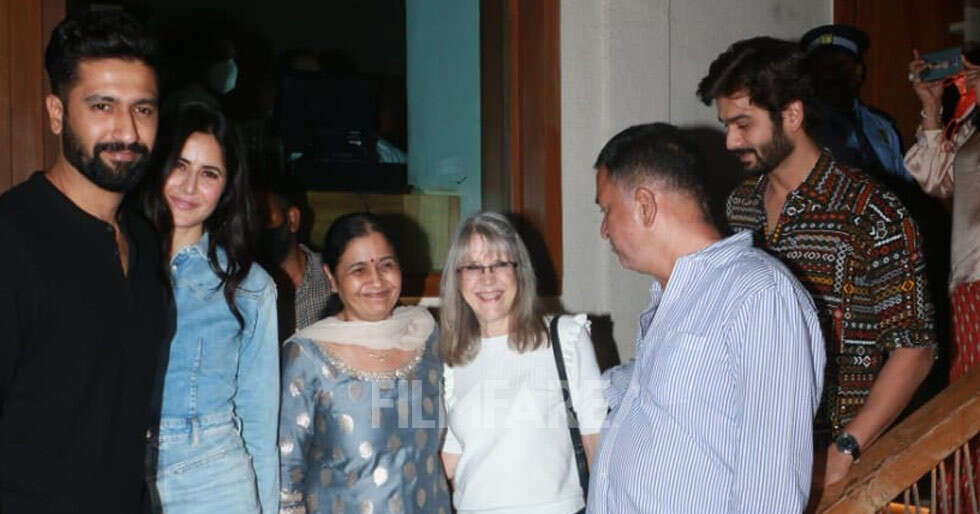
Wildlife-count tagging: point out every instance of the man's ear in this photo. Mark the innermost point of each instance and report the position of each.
(293, 218)
(645, 205)
(793, 115)
(56, 113)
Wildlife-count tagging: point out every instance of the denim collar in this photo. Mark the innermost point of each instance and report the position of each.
(200, 248)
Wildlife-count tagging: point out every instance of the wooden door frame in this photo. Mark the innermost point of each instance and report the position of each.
(520, 118)
(26, 144)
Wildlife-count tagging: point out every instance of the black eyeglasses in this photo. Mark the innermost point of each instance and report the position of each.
(498, 268)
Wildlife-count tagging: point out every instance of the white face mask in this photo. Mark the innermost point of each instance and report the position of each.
(223, 75)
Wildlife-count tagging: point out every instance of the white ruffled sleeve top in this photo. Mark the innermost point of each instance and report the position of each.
(507, 421)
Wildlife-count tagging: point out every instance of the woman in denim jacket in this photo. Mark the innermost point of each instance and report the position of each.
(215, 449)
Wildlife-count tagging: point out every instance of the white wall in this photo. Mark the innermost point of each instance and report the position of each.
(625, 62)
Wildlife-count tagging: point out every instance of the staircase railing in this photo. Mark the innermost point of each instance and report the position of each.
(916, 447)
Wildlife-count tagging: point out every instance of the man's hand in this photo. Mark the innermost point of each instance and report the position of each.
(838, 464)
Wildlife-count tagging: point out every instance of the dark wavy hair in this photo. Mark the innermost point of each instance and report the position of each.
(341, 232)
(771, 71)
(232, 224)
(95, 35)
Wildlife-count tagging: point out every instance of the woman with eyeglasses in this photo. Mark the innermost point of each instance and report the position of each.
(508, 447)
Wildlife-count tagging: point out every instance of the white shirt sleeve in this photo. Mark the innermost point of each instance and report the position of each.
(584, 380)
(450, 444)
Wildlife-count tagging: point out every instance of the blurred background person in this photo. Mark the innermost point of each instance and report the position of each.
(216, 443)
(358, 426)
(298, 271)
(500, 367)
(857, 135)
(946, 163)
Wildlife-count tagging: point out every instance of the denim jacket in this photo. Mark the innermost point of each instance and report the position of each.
(214, 367)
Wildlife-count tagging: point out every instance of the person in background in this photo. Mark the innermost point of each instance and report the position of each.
(856, 135)
(85, 313)
(850, 241)
(359, 426)
(495, 343)
(715, 413)
(302, 283)
(946, 165)
(213, 75)
(216, 441)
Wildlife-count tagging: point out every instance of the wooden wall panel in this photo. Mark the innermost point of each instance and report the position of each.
(521, 123)
(26, 90)
(6, 178)
(540, 132)
(26, 144)
(894, 28)
(494, 81)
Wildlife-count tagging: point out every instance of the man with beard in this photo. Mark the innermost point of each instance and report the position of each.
(848, 240)
(85, 310)
(302, 284)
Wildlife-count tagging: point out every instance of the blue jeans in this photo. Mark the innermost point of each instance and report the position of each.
(202, 467)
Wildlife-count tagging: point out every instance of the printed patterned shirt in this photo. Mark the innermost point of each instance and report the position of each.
(854, 246)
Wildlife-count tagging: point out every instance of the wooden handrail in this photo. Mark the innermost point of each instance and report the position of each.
(909, 450)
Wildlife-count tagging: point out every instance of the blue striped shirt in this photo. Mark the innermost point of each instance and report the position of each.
(715, 413)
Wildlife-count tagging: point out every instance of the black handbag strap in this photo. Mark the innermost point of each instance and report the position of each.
(573, 429)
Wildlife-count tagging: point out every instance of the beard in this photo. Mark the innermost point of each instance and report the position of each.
(769, 155)
(120, 177)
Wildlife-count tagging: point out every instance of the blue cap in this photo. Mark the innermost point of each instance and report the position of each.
(849, 38)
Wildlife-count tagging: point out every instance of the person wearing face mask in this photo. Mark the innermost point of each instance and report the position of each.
(214, 77)
(303, 286)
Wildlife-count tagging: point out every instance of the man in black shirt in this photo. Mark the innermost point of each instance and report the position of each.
(85, 309)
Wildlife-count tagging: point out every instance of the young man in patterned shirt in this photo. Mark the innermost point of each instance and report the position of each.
(849, 240)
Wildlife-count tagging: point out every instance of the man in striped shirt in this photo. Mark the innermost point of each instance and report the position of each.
(715, 412)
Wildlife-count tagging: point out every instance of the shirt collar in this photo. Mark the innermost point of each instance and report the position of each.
(812, 189)
(200, 247)
(716, 255)
(721, 252)
(312, 264)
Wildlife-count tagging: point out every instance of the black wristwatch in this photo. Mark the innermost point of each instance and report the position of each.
(846, 443)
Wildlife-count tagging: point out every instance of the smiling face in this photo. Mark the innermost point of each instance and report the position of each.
(195, 183)
(751, 135)
(368, 279)
(488, 284)
(108, 121)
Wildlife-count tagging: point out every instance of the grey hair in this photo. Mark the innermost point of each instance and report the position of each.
(459, 330)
